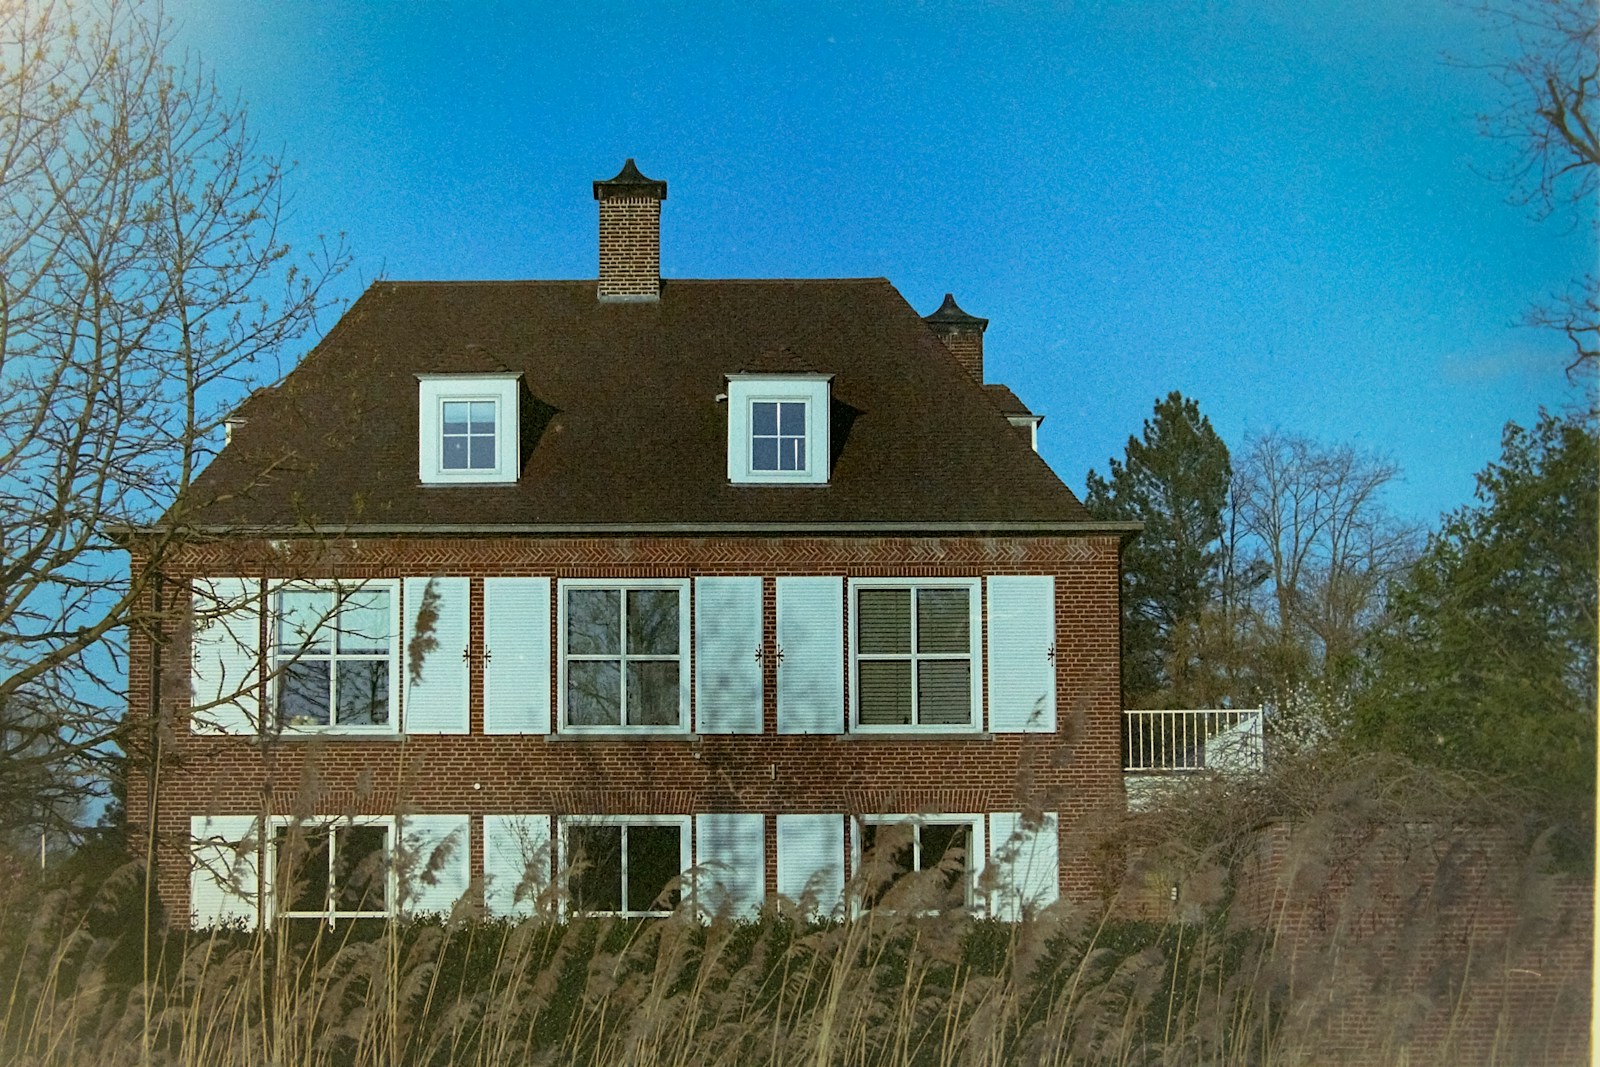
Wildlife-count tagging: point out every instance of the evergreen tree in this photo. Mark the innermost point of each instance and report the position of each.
(1488, 663)
(1174, 480)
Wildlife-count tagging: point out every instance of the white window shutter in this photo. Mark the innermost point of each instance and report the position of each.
(433, 659)
(730, 851)
(1026, 862)
(516, 863)
(727, 655)
(811, 861)
(224, 861)
(226, 640)
(437, 862)
(1022, 654)
(516, 663)
(810, 655)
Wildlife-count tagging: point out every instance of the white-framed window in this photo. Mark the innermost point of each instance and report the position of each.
(914, 653)
(778, 429)
(330, 871)
(623, 864)
(891, 848)
(624, 663)
(467, 428)
(335, 655)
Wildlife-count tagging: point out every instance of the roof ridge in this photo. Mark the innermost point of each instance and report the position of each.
(591, 281)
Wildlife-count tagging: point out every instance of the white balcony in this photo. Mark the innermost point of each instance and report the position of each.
(1160, 745)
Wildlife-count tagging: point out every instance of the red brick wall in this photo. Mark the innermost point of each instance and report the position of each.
(630, 247)
(1076, 771)
(967, 346)
(1424, 944)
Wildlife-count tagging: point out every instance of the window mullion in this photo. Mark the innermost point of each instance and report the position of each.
(622, 846)
(916, 705)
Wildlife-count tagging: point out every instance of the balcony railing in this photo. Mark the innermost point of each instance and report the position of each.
(1167, 742)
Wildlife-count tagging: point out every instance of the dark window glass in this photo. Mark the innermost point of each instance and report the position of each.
(884, 622)
(361, 869)
(654, 860)
(652, 622)
(885, 697)
(594, 692)
(764, 418)
(594, 621)
(653, 695)
(363, 692)
(300, 869)
(594, 856)
(944, 692)
(304, 689)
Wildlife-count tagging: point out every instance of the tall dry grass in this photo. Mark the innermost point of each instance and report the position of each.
(1341, 940)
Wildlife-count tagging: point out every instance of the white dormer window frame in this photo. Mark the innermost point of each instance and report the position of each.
(434, 393)
(778, 429)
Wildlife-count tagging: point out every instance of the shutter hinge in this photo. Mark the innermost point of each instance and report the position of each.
(1050, 653)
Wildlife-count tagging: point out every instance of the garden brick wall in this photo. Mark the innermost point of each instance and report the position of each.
(1424, 945)
(1075, 771)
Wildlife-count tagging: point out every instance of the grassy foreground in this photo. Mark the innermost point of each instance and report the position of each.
(1369, 941)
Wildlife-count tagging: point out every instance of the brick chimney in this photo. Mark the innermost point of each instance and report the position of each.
(630, 235)
(961, 333)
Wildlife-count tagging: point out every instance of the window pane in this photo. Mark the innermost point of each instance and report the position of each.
(455, 454)
(482, 454)
(654, 860)
(594, 693)
(364, 621)
(594, 621)
(884, 622)
(792, 420)
(304, 620)
(457, 414)
(947, 843)
(482, 416)
(652, 622)
(764, 418)
(363, 692)
(653, 693)
(764, 454)
(885, 693)
(791, 453)
(300, 869)
(942, 620)
(942, 840)
(944, 692)
(303, 693)
(886, 848)
(360, 869)
(594, 858)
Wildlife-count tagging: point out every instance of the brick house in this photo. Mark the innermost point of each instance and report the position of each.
(558, 590)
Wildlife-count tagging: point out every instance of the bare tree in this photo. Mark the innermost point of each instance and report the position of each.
(144, 288)
(1326, 546)
(1550, 115)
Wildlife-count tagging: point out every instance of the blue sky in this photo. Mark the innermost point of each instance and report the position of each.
(1280, 209)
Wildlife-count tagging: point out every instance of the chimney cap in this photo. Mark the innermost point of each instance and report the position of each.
(950, 316)
(629, 182)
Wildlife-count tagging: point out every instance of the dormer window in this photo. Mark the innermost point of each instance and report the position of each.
(778, 429)
(467, 427)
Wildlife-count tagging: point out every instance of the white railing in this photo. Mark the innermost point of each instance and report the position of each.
(1163, 742)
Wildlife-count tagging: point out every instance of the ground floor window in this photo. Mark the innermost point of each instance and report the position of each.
(892, 848)
(624, 865)
(333, 872)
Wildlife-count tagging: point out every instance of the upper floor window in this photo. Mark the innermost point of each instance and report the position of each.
(334, 655)
(467, 428)
(624, 654)
(778, 429)
(914, 652)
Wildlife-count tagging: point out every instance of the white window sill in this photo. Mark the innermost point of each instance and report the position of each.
(917, 733)
(309, 733)
(619, 733)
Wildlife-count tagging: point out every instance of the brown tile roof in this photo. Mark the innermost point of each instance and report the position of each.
(622, 424)
(1008, 402)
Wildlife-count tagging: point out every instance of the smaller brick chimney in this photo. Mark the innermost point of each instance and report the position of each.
(962, 334)
(630, 235)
